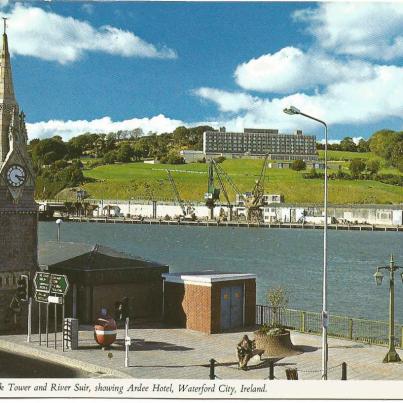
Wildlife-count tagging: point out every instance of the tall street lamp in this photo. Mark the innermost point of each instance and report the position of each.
(292, 110)
(392, 355)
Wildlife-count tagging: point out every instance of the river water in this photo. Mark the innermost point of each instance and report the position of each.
(291, 258)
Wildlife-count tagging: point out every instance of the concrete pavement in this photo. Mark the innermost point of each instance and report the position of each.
(162, 353)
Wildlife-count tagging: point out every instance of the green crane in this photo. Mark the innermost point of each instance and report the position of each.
(213, 193)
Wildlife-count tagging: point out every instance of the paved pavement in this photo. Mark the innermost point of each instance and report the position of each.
(184, 354)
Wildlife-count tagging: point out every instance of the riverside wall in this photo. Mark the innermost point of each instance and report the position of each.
(273, 213)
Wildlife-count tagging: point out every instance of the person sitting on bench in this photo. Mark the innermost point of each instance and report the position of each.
(246, 350)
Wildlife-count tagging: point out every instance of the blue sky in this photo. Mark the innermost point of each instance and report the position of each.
(110, 66)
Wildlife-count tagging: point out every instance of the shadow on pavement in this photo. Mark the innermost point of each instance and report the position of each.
(19, 366)
(305, 349)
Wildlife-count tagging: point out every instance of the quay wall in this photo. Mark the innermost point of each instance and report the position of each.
(273, 213)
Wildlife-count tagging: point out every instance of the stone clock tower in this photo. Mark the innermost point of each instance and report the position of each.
(18, 210)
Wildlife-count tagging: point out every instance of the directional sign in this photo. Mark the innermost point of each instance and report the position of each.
(41, 296)
(42, 281)
(55, 300)
(59, 284)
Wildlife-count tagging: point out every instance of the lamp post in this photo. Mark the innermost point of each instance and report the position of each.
(392, 355)
(292, 110)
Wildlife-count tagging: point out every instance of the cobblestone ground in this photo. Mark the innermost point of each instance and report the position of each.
(185, 354)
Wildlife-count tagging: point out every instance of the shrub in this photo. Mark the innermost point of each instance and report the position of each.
(109, 157)
(174, 158)
(298, 165)
(356, 167)
(373, 166)
(125, 153)
(390, 179)
(313, 174)
(219, 160)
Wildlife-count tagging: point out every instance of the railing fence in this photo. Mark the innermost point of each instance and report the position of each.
(365, 330)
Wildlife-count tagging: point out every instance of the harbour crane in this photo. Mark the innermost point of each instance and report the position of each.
(213, 193)
(254, 200)
(188, 212)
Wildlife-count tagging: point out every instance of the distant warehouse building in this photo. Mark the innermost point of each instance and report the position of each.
(259, 142)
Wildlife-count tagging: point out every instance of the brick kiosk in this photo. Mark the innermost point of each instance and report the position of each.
(209, 301)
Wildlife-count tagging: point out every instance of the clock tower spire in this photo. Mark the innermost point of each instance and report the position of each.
(18, 210)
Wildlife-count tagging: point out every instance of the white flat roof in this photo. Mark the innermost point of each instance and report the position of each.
(205, 277)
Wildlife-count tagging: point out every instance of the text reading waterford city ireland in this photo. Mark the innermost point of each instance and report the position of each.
(200, 199)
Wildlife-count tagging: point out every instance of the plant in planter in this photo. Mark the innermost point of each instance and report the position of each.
(273, 337)
(278, 301)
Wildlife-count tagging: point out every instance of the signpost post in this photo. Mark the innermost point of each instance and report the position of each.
(50, 289)
(29, 319)
(127, 343)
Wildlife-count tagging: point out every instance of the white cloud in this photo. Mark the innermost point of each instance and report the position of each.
(227, 101)
(88, 8)
(373, 30)
(68, 129)
(344, 86)
(365, 101)
(291, 69)
(49, 36)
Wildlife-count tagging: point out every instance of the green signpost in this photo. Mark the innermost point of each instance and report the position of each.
(50, 289)
(59, 284)
(41, 296)
(42, 281)
(49, 283)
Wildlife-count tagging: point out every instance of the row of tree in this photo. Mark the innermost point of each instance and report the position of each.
(348, 144)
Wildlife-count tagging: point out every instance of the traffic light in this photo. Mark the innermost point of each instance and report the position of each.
(122, 309)
(23, 288)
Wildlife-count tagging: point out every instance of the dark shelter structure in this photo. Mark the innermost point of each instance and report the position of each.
(99, 277)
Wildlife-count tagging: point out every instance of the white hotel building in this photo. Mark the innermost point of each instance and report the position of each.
(259, 142)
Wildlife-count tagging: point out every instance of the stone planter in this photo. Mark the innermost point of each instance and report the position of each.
(275, 346)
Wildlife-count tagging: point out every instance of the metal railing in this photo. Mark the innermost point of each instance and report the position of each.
(364, 330)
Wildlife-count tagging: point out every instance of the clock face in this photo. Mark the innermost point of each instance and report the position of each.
(16, 175)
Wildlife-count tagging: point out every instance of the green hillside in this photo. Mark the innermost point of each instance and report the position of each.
(139, 180)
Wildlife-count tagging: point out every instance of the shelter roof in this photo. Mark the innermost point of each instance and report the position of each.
(86, 257)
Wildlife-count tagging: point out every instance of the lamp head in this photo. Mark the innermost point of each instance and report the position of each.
(292, 110)
(59, 221)
(378, 277)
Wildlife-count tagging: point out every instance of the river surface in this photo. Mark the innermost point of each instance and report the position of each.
(291, 258)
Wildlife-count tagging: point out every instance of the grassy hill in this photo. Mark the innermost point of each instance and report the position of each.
(139, 180)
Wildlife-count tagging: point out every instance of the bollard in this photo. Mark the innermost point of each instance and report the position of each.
(291, 374)
(212, 367)
(271, 370)
(344, 371)
(350, 329)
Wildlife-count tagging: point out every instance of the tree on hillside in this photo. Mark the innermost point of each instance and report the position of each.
(48, 151)
(347, 144)
(356, 167)
(109, 157)
(82, 142)
(396, 156)
(173, 157)
(124, 153)
(382, 143)
(373, 166)
(363, 146)
(298, 165)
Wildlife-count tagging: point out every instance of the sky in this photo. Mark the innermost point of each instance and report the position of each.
(108, 66)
